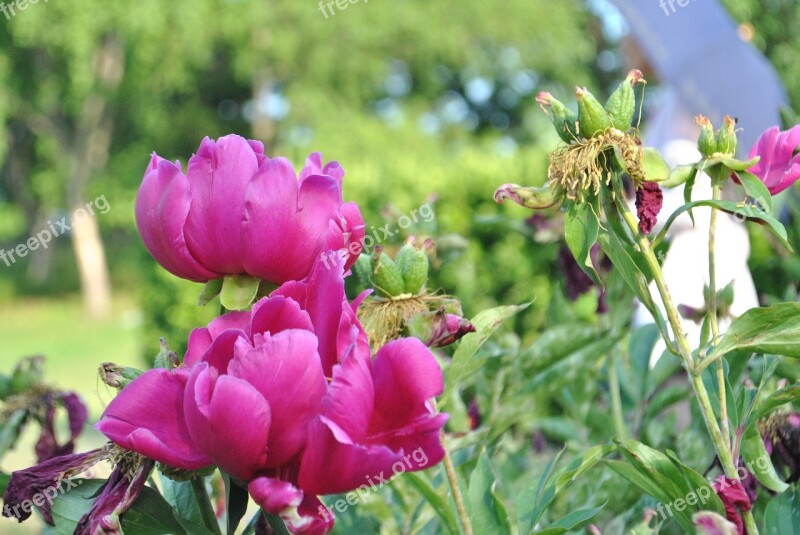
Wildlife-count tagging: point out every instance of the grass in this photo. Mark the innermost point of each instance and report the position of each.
(74, 347)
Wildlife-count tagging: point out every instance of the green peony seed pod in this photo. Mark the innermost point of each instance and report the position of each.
(564, 120)
(592, 117)
(726, 137)
(386, 276)
(415, 272)
(621, 105)
(706, 142)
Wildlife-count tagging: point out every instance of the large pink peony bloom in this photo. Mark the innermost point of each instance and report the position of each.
(287, 399)
(236, 212)
(779, 166)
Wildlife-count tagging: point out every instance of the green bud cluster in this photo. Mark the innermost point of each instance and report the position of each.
(406, 274)
(723, 142)
(593, 118)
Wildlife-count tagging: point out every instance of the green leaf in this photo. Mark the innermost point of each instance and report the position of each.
(687, 197)
(782, 515)
(661, 477)
(531, 503)
(581, 231)
(237, 499)
(210, 291)
(640, 348)
(773, 401)
(462, 365)
(180, 496)
(679, 175)
(423, 485)
(238, 291)
(757, 190)
(4, 481)
(571, 521)
(774, 330)
(739, 210)
(655, 168)
(632, 276)
(482, 509)
(758, 461)
(11, 429)
(581, 465)
(731, 163)
(149, 515)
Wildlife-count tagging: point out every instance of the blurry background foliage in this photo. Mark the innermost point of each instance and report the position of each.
(420, 101)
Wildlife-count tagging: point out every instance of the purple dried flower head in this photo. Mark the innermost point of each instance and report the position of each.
(649, 200)
(40, 484)
(47, 447)
(119, 493)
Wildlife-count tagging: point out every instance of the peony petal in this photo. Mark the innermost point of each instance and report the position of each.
(147, 417)
(406, 377)
(229, 420)
(221, 350)
(276, 314)
(199, 342)
(162, 206)
(332, 463)
(324, 287)
(219, 175)
(273, 495)
(286, 370)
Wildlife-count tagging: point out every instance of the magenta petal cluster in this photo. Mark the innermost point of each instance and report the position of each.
(287, 399)
(235, 211)
(779, 166)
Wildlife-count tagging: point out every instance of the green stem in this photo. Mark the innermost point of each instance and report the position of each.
(712, 305)
(204, 503)
(461, 509)
(721, 447)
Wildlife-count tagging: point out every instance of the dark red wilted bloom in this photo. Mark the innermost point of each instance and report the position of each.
(47, 446)
(734, 498)
(648, 204)
(45, 481)
(474, 413)
(119, 493)
(576, 282)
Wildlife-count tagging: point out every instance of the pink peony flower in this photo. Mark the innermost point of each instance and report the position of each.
(236, 211)
(287, 399)
(779, 166)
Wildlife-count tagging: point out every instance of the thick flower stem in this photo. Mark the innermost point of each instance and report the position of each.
(721, 446)
(204, 503)
(712, 305)
(450, 470)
